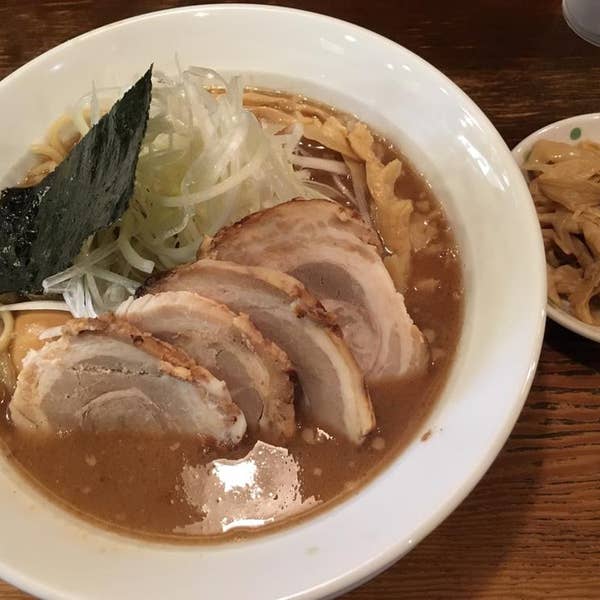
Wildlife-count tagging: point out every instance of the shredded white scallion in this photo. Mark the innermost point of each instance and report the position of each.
(205, 162)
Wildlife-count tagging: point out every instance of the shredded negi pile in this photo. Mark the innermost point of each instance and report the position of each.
(213, 153)
(565, 186)
(204, 162)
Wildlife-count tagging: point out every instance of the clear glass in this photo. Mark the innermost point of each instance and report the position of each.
(583, 17)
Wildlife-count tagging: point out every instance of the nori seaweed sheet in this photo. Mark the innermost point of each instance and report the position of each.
(42, 228)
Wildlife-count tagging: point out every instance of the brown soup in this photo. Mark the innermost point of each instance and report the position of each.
(142, 484)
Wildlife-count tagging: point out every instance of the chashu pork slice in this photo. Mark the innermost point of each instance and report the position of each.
(287, 314)
(256, 371)
(331, 250)
(105, 375)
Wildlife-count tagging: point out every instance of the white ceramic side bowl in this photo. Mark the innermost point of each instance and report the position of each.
(54, 555)
(569, 131)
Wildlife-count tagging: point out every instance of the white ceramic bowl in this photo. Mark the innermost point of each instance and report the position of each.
(570, 131)
(53, 554)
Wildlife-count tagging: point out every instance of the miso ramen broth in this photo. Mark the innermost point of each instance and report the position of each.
(159, 485)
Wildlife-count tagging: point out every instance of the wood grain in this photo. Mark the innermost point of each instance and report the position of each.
(531, 528)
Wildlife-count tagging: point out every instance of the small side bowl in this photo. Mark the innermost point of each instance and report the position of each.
(571, 130)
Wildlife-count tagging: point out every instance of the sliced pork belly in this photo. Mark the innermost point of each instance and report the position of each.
(256, 371)
(287, 314)
(105, 374)
(334, 254)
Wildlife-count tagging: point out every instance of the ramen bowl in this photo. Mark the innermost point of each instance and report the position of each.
(53, 554)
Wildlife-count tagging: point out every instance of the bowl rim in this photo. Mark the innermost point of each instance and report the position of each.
(376, 564)
(556, 313)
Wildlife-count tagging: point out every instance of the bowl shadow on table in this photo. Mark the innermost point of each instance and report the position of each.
(491, 541)
(574, 347)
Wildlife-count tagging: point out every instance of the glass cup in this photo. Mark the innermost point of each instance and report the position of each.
(583, 17)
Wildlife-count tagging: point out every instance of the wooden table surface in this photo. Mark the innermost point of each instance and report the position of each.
(531, 528)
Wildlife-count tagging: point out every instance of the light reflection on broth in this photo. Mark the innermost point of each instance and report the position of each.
(261, 488)
(170, 486)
